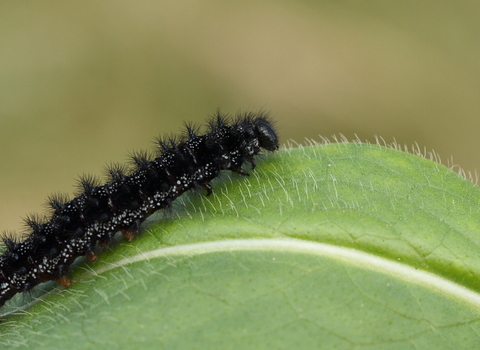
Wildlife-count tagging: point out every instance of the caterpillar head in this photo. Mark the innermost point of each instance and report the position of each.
(267, 137)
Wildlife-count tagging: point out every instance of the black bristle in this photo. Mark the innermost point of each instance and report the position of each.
(116, 172)
(191, 131)
(57, 201)
(10, 242)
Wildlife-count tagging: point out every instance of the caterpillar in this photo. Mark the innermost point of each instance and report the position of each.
(75, 227)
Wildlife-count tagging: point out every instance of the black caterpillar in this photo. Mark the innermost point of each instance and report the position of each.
(129, 196)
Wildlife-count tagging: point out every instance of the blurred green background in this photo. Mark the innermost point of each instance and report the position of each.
(83, 83)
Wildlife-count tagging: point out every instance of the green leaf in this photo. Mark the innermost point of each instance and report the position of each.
(341, 246)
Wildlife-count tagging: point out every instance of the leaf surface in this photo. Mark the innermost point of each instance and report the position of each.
(341, 246)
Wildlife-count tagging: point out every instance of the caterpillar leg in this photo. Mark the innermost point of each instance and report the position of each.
(64, 281)
(91, 256)
(128, 234)
(240, 171)
(208, 188)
